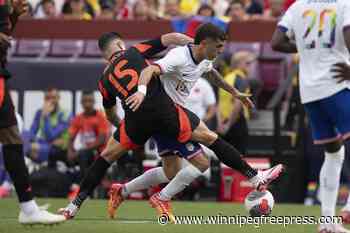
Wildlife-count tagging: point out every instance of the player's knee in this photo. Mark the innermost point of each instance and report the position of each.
(201, 162)
(110, 155)
(170, 172)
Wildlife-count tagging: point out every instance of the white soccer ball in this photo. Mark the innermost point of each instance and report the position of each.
(259, 203)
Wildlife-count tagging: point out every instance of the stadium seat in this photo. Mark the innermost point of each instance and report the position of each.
(271, 71)
(235, 47)
(66, 48)
(31, 48)
(267, 52)
(91, 49)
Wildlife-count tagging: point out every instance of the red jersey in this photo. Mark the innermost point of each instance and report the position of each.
(88, 128)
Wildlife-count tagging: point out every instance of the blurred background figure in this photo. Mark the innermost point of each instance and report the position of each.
(77, 9)
(236, 12)
(202, 101)
(233, 116)
(172, 9)
(48, 132)
(46, 9)
(88, 133)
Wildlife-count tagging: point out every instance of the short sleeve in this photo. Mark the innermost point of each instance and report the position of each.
(74, 127)
(209, 97)
(173, 59)
(286, 23)
(103, 128)
(346, 14)
(150, 48)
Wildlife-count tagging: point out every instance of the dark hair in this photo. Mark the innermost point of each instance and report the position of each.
(106, 38)
(208, 30)
(87, 92)
(206, 7)
(47, 1)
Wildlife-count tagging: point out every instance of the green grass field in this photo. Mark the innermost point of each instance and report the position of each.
(138, 217)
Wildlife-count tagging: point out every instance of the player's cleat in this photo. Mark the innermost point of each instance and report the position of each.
(345, 215)
(163, 207)
(40, 217)
(267, 176)
(69, 211)
(115, 199)
(4, 192)
(332, 228)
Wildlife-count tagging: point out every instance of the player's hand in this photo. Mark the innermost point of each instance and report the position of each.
(135, 101)
(342, 72)
(245, 99)
(20, 6)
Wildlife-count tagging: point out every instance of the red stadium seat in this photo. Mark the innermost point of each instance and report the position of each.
(31, 48)
(66, 48)
(91, 49)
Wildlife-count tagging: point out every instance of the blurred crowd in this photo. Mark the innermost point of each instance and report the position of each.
(226, 10)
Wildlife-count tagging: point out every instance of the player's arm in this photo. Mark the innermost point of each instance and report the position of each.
(282, 37)
(342, 70)
(149, 49)
(167, 64)
(280, 42)
(175, 38)
(137, 98)
(216, 78)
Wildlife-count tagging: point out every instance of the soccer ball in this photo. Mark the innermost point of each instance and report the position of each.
(259, 203)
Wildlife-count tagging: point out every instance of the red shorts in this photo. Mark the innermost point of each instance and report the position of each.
(7, 111)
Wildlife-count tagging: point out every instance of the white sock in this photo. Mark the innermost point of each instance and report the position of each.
(329, 181)
(29, 207)
(148, 179)
(256, 179)
(182, 179)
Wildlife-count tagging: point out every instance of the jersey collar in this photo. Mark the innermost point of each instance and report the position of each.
(191, 53)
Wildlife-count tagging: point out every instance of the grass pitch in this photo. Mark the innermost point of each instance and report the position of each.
(138, 217)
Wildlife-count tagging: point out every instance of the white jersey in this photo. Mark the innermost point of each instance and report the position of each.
(201, 97)
(180, 73)
(317, 27)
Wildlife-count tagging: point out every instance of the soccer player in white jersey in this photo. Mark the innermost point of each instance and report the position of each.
(319, 31)
(181, 68)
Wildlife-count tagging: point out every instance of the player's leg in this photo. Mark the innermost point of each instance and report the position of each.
(113, 151)
(192, 151)
(14, 163)
(199, 163)
(227, 154)
(152, 177)
(341, 117)
(324, 133)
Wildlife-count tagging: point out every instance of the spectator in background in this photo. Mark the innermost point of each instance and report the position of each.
(206, 10)
(121, 10)
(172, 9)
(189, 7)
(91, 129)
(46, 9)
(49, 128)
(236, 12)
(273, 9)
(141, 11)
(233, 116)
(202, 101)
(219, 6)
(76, 9)
(252, 7)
